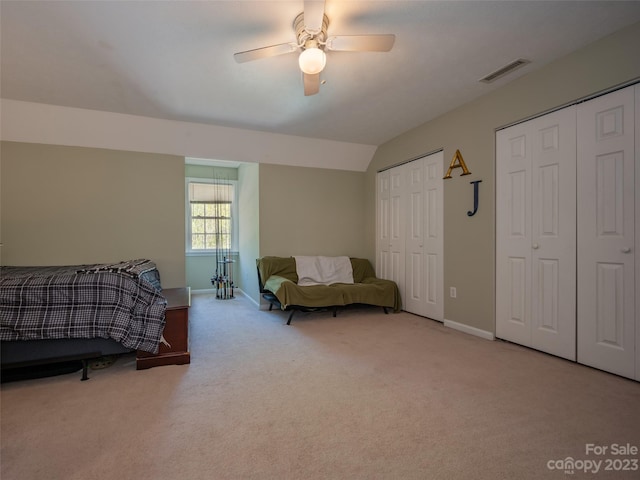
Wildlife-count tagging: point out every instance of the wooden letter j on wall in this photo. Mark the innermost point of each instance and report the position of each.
(475, 198)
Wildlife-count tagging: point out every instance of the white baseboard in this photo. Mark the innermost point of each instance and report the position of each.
(470, 330)
(213, 290)
(203, 291)
(252, 300)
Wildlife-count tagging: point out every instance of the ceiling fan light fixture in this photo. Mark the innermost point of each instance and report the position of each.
(312, 41)
(312, 60)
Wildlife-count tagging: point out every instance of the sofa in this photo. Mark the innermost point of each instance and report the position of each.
(279, 285)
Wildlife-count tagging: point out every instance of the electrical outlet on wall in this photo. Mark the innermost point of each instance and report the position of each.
(452, 292)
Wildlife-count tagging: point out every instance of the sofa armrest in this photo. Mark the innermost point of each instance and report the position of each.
(280, 266)
(274, 283)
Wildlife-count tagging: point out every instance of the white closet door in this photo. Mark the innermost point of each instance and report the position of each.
(414, 299)
(383, 225)
(606, 233)
(535, 233)
(424, 289)
(513, 234)
(434, 236)
(637, 243)
(553, 259)
(410, 242)
(397, 235)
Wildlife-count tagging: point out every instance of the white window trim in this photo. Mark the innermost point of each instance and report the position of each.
(234, 215)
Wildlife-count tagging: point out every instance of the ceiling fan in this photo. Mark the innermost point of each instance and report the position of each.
(310, 28)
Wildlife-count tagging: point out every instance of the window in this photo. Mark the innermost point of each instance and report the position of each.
(210, 215)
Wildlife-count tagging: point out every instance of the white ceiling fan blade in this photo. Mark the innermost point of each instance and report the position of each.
(311, 83)
(361, 43)
(264, 52)
(313, 16)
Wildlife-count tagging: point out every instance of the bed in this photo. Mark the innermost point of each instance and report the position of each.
(79, 312)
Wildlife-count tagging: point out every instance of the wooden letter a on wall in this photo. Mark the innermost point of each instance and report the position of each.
(457, 162)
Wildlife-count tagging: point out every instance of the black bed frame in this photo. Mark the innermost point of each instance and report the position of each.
(26, 353)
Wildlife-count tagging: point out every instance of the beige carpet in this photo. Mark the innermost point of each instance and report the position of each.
(361, 396)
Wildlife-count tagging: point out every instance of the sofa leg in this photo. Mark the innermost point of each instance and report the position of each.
(290, 317)
(335, 311)
(385, 310)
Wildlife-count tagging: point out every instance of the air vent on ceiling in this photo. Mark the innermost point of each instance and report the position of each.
(501, 72)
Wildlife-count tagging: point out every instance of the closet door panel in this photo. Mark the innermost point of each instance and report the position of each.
(397, 234)
(518, 298)
(513, 234)
(553, 260)
(535, 233)
(409, 243)
(383, 242)
(433, 236)
(637, 220)
(414, 300)
(606, 233)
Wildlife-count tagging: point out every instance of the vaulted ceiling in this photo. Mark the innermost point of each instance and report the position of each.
(174, 59)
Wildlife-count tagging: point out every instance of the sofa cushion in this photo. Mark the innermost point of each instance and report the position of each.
(362, 269)
(372, 291)
(291, 294)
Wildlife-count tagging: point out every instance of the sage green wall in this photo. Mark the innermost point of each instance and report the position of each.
(249, 229)
(74, 205)
(311, 211)
(200, 268)
(469, 252)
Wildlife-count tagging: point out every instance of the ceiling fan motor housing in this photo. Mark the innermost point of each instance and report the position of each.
(304, 36)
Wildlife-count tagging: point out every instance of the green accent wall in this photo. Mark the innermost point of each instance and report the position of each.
(73, 205)
(311, 211)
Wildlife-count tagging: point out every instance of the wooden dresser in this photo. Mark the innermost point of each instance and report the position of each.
(176, 332)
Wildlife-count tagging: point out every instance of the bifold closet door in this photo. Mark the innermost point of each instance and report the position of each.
(390, 242)
(415, 291)
(606, 233)
(383, 225)
(434, 236)
(410, 242)
(637, 242)
(535, 233)
(424, 290)
(397, 226)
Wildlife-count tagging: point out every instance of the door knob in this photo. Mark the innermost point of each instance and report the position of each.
(625, 250)
(535, 246)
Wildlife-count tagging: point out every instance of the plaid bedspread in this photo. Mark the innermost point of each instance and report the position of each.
(84, 301)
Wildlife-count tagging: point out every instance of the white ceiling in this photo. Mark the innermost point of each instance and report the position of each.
(174, 59)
